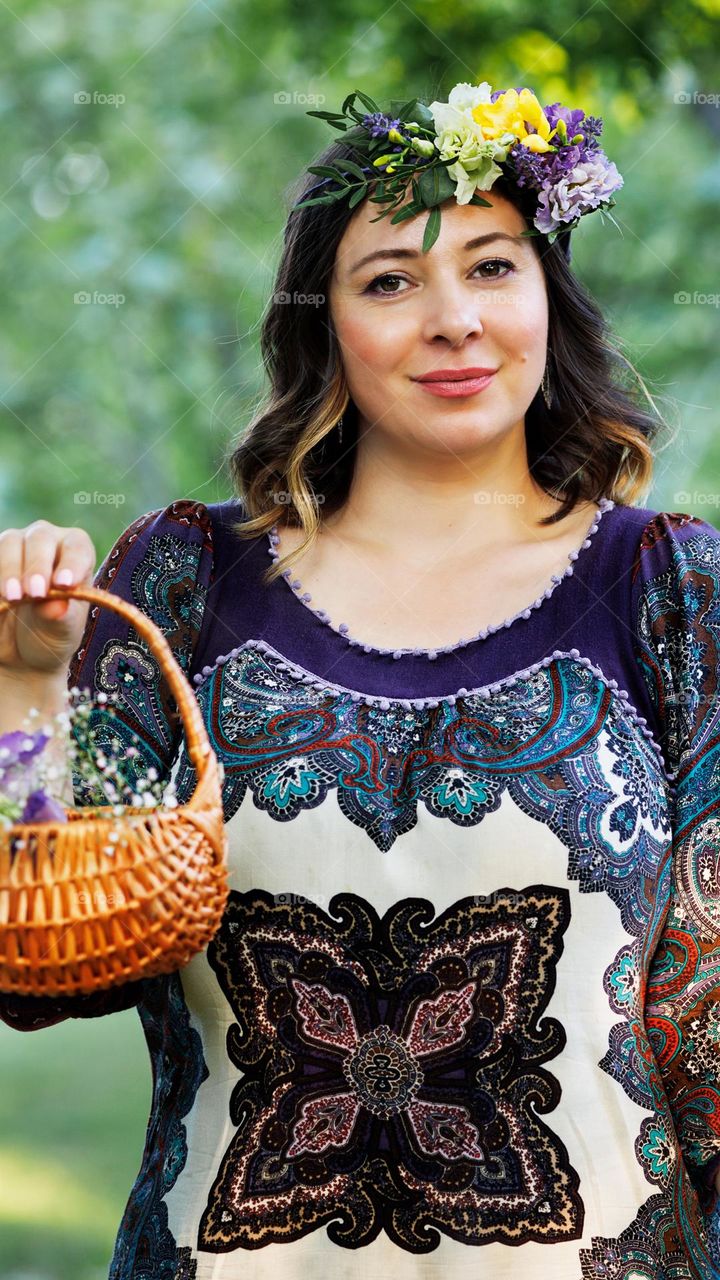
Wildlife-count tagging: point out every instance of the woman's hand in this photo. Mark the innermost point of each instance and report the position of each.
(38, 638)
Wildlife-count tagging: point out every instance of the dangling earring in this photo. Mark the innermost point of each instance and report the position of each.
(339, 425)
(546, 388)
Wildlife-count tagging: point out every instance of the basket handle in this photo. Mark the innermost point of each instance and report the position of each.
(199, 748)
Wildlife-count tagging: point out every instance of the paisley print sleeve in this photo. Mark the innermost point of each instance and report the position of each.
(676, 599)
(162, 563)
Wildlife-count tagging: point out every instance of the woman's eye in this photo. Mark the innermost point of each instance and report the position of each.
(495, 261)
(373, 287)
(378, 280)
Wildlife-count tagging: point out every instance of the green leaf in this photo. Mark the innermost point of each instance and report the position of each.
(408, 211)
(368, 102)
(326, 115)
(305, 204)
(334, 124)
(384, 213)
(476, 199)
(435, 185)
(380, 196)
(325, 171)
(405, 111)
(357, 196)
(348, 102)
(354, 168)
(424, 117)
(432, 229)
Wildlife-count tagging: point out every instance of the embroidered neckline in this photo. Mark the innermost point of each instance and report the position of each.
(384, 702)
(296, 586)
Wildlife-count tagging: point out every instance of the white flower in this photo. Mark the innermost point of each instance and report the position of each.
(460, 138)
(466, 96)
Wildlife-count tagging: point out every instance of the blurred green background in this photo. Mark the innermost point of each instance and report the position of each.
(143, 176)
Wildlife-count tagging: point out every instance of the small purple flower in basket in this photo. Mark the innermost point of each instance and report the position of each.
(17, 755)
(20, 752)
(18, 747)
(103, 773)
(40, 807)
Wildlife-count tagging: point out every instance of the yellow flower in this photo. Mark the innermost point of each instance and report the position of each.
(512, 112)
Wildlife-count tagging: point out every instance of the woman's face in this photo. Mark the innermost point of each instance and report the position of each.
(459, 306)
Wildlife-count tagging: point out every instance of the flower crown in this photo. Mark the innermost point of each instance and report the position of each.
(463, 146)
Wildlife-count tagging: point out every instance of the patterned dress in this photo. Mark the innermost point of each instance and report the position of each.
(461, 1016)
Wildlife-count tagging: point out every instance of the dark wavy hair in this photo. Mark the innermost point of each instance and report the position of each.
(593, 442)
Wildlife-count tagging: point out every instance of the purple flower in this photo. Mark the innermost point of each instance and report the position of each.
(40, 807)
(17, 750)
(379, 124)
(529, 167)
(18, 747)
(586, 187)
(592, 126)
(571, 116)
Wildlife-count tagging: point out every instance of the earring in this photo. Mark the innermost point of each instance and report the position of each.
(546, 388)
(339, 425)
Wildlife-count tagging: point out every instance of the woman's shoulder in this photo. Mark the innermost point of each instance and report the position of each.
(668, 543)
(676, 622)
(183, 522)
(653, 541)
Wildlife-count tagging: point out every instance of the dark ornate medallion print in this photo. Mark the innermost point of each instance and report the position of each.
(392, 1072)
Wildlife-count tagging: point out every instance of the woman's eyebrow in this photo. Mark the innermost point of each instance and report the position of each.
(476, 243)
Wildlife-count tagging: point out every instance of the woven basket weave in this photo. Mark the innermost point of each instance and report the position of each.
(75, 918)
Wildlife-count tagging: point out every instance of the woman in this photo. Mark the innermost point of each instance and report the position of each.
(460, 1012)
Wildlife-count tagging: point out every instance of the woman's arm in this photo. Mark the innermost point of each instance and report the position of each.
(676, 601)
(163, 564)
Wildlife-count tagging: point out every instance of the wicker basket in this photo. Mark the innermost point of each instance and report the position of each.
(75, 918)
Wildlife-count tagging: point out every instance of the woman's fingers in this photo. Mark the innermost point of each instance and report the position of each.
(40, 543)
(40, 556)
(11, 562)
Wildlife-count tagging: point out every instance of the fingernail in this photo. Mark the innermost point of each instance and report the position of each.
(37, 585)
(13, 589)
(64, 577)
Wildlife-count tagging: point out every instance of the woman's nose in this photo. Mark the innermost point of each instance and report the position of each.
(453, 313)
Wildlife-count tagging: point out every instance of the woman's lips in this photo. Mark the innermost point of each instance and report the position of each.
(466, 387)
